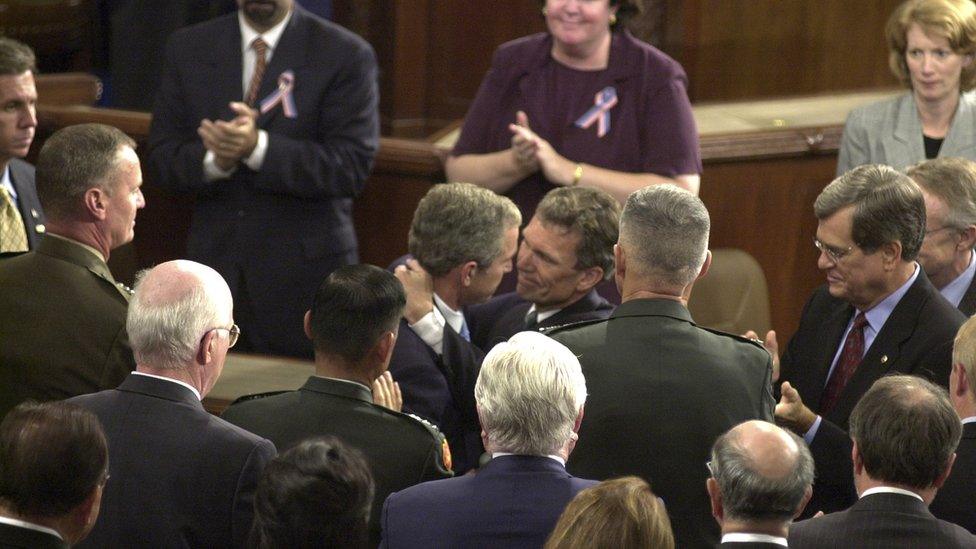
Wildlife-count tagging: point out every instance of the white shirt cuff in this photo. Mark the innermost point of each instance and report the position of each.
(256, 158)
(430, 328)
(809, 435)
(213, 172)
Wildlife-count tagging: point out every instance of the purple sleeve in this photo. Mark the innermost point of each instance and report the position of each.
(671, 136)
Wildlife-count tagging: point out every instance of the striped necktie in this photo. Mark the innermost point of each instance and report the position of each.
(13, 236)
(260, 63)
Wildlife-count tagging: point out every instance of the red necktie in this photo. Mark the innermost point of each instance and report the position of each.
(260, 63)
(849, 358)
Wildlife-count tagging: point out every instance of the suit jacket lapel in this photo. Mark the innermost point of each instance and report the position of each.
(224, 62)
(907, 137)
(831, 335)
(959, 140)
(289, 54)
(968, 303)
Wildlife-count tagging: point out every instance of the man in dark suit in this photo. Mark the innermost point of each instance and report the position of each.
(877, 314)
(530, 395)
(949, 188)
(566, 250)
(275, 175)
(53, 469)
(186, 478)
(661, 388)
(905, 432)
(62, 315)
(353, 326)
(762, 477)
(462, 240)
(954, 502)
(21, 216)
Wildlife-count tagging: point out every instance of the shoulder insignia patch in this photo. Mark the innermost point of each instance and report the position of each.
(756, 342)
(439, 437)
(257, 396)
(548, 330)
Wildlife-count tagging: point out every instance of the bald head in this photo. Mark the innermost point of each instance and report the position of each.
(763, 472)
(175, 305)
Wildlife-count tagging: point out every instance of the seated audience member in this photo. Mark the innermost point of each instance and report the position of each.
(762, 477)
(316, 494)
(21, 216)
(877, 314)
(353, 326)
(62, 315)
(956, 501)
(465, 238)
(530, 397)
(566, 250)
(949, 188)
(661, 388)
(184, 478)
(622, 513)
(53, 468)
(904, 431)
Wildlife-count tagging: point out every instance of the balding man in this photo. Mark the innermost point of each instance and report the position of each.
(949, 187)
(62, 314)
(185, 477)
(954, 501)
(662, 389)
(905, 432)
(762, 478)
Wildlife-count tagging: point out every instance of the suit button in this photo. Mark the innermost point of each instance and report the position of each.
(240, 213)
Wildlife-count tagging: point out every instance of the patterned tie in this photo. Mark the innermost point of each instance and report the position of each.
(465, 333)
(849, 358)
(260, 63)
(13, 237)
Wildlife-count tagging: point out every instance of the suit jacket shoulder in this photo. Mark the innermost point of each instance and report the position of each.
(953, 503)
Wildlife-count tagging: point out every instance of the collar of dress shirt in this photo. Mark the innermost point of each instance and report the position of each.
(171, 380)
(97, 253)
(891, 490)
(454, 318)
(555, 457)
(970, 419)
(955, 290)
(30, 526)
(270, 37)
(542, 315)
(741, 537)
(5, 181)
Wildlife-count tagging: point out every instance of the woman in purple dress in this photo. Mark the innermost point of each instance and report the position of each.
(583, 104)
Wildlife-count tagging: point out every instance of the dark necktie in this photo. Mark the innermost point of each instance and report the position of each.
(260, 63)
(847, 363)
(532, 320)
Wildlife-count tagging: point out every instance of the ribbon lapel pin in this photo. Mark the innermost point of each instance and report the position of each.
(286, 82)
(599, 112)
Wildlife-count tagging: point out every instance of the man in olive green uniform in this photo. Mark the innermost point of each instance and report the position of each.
(662, 389)
(62, 315)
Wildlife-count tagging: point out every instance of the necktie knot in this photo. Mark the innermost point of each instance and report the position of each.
(860, 321)
(260, 46)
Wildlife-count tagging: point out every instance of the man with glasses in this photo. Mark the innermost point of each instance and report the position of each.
(877, 314)
(949, 188)
(186, 478)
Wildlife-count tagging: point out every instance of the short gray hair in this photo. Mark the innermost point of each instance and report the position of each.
(75, 159)
(665, 232)
(953, 181)
(529, 393)
(16, 57)
(888, 207)
(459, 222)
(165, 331)
(747, 494)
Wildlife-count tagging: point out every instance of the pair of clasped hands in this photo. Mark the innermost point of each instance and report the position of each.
(533, 153)
(233, 140)
(790, 411)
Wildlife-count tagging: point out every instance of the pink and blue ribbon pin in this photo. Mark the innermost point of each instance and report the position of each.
(599, 112)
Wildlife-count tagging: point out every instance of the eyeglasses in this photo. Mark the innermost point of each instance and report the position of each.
(711, 471)
(835, 254)
(233, 332)
(929, 232)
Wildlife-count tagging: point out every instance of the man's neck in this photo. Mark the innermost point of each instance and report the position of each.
(898, 277)
(447, 288)
(959, 265)
(337, 369)
(84, 233)
(544, 308)
(192, 376)
(864, 483)
(776, 528)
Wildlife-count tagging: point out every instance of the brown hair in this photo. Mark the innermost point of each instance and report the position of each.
(954, 20)
(625, 9)
(620, 513)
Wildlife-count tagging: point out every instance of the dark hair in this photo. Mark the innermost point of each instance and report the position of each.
(52, 456)
(352, 308)
(747, 493)
(591, 213)
(626, 9)
(906, 430)
(620, 513)
(16, 57)
(888, 207)
(317, 494)
(75, 159)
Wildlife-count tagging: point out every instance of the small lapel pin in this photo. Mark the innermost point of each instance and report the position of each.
(884, 359)
(34, 213)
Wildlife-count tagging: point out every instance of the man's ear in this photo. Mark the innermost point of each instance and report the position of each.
(589, 278)
(856, 458)
(807, 494)
(715, 496)
(205, 348)
(890, 254)
(307, 324)
(945, 474)
(468, 271)
(383, 348)
(967, 240)
(707, 264)
(95, 200)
